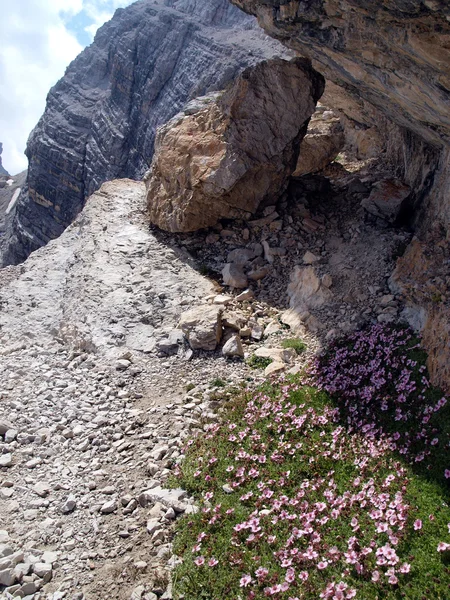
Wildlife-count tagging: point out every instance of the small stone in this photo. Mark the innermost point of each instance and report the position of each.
(170, 514)
(257, 332)
(122, 364)
(43, 570)
(140, 565)
(233, 347)
(159, 452)
(10, 435)
(69, 505)
(222, 299)
(327, 281)
(41, 489)
(49, 557)
(310, 259)
(153, 525)
(29, 588)
(227, 489)
(273, 368)
(6, 460)
(234, 276)
(257, 274)
(272, 327)
(8, 577)
(4, 427)
(245, 296)
(109, 507)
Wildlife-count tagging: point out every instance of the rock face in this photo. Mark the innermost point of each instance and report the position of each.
(3, 171)
(422, 278)
(393, 54)
(323, 142)
(101, 117)
(388, 64)
(227, 159)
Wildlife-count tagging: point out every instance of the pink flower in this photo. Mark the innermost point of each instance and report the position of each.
(212, 562)
(417, 525)
(303, 575)
(261, 572)
(351, 593)
(375, 576)
(199, 561)
(290, 575)
(447, 473)
(405, 568)
(322, 565)
(245, 581)
(443, 547)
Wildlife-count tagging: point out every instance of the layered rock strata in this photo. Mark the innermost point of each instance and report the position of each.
(101, 117)
(236, 151)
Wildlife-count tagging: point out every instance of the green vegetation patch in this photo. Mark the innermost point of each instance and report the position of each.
(301, 499)
(294, 343)
(259, 362)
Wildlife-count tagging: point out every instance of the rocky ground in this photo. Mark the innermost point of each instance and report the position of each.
(100, 388)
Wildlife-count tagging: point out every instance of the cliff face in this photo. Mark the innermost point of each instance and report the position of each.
(101, 117)
(3, 171)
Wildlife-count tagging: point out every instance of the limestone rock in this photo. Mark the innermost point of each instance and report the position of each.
(420, 277)
(234, 276)
(387, 199)
(202, 327)
(239, 151)
(274, 368)
(233, 347)
(6, 460)
(245, 296)
(403, 78)
(306, 291)
(320, 146)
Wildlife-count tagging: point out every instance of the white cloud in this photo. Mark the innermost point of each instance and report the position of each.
(37, 44)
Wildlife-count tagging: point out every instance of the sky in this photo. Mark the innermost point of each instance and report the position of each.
(38, 40)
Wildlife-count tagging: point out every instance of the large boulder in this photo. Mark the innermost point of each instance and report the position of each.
(236, 151)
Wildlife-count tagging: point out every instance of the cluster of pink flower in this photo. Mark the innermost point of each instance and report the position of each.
(378, 387)
(299, 524)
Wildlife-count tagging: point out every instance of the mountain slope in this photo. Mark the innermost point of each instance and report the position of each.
(101, 117)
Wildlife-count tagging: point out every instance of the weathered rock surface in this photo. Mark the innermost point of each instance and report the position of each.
(202, 327)
(306, 290)
(238, 152)
(388, 64)
(422, 278)
(387, 199)
(393, 54)
(101, 117)
(323, 142)
(3, 171)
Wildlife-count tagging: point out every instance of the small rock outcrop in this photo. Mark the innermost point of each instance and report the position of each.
(238, 152)
(101, 117)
